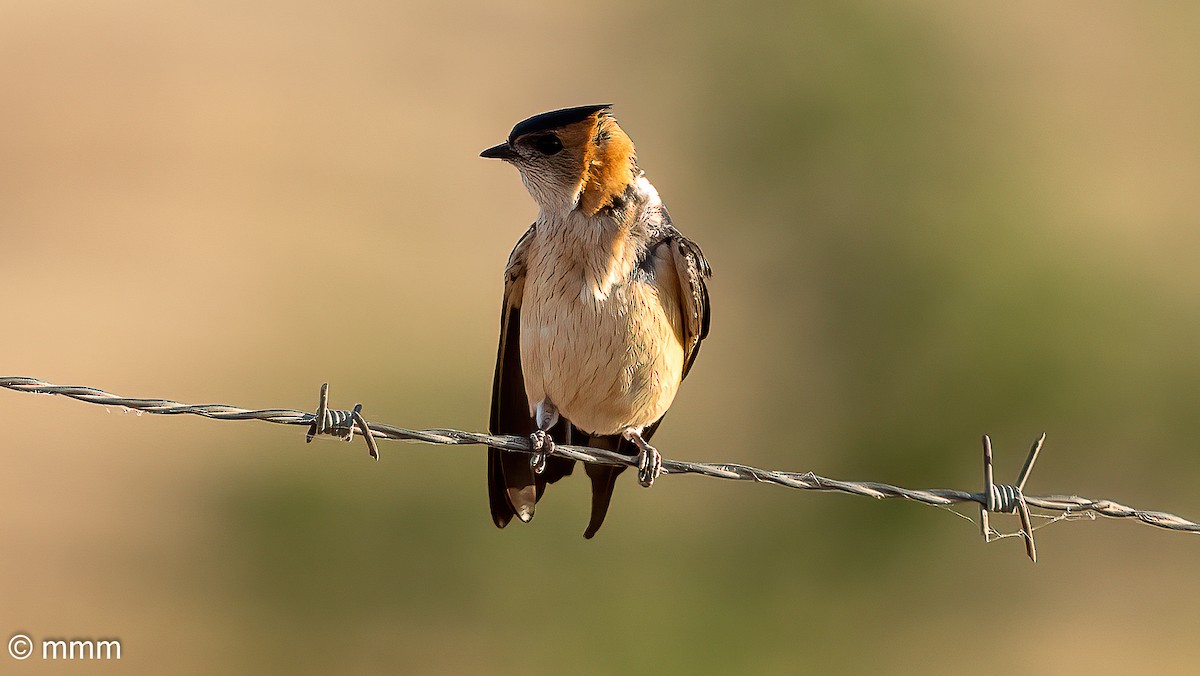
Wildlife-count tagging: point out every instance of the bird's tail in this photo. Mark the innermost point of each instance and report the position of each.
(604, 479)
(513, 488)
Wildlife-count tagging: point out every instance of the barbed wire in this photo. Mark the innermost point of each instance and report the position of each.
(995, 498)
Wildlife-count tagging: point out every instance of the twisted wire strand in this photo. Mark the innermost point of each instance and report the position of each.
(338, 424)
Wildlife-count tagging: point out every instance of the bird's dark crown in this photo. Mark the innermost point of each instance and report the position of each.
(555, 119)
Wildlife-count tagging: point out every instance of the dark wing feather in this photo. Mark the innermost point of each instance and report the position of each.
(691, 270)
(513, 488)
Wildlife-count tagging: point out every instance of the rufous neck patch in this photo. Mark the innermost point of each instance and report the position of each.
(608, 166)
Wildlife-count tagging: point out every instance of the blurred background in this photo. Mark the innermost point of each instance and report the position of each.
(927, 220)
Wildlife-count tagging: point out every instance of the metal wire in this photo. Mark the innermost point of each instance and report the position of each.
(994, 497)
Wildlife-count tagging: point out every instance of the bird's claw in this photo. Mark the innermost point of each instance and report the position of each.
(542, 446)
(649, 464)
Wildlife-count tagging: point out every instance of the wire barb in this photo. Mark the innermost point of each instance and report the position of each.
(1008, 498)
(994, 497)
(340, 424)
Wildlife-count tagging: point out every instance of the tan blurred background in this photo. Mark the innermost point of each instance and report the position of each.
(928, 220)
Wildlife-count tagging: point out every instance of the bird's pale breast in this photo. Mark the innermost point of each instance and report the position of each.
(599, 341)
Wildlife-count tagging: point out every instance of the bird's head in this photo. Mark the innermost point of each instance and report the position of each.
(574, 158)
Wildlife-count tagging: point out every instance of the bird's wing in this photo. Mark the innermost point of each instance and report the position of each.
(691, 269)
(513, 488)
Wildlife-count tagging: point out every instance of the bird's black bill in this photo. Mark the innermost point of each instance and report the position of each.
(499, 152)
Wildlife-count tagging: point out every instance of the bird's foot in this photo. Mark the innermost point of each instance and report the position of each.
(649, 460)
(543, 445)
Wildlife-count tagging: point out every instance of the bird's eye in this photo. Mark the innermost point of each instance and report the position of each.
(548, 145)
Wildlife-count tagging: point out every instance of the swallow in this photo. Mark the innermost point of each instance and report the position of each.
(605, 307)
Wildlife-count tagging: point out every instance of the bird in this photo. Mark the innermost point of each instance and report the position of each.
(604, 309)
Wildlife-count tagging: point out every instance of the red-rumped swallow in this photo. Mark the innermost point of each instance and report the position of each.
(605, 307)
